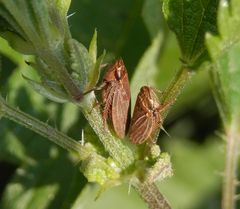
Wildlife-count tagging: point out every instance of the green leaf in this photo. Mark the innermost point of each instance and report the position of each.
(224, 51)
(93, 47)
(26, 22)
(50, 90)
(81, 62)
(8, 23)
(51, 183)
(63, 6)
(17, 144)
(94, 73)
(190, 20)
(17, 42)
(44, 23)
(11, 148)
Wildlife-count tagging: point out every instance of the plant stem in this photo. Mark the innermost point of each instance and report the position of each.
(230, 178)
(177, 84)
(43, 129)
(149, 192)
(151, 195)
(120, 152)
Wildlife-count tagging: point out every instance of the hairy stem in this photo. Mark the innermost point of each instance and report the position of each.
(176, 86)
(119, 151)
(149, 191)
(43, 129)
(151, 195)
(230, 178)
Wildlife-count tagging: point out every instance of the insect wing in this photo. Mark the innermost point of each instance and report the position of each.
(120, 111)
(140, 124)
(146, 117)
(116, 97)
(107, 95)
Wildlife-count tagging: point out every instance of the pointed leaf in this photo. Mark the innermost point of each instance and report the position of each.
(16, 42)
(94, 73)
(81, 62)
(93, 47)
(51, 183)
(190, 20)
(49, 90)
(224, 51)
(63, 6)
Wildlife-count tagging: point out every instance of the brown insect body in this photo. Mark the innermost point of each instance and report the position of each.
(116, 97)
(146, 118)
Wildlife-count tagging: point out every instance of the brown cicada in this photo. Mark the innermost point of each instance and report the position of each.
(116, 97)
(146, 119)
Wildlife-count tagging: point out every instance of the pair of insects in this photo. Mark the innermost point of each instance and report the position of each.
(146, 118)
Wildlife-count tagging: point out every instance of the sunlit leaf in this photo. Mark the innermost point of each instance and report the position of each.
(50, 90)
(38, 186)
(190, 20)
(224, 51)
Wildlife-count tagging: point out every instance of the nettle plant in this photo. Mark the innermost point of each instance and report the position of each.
(208, 36)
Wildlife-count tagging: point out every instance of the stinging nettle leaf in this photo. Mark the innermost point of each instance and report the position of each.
(41, 17)
(16, 42)
(93, 47)
(32, 184)
(190, 20)
(50, 90)
(224, 51)
(94, 73)
(7, 22)
(63, 6)
(81, 62)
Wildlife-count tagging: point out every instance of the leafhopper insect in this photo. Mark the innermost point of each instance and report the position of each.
(116, 97)
(147, 118)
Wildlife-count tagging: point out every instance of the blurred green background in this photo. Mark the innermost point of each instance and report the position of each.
(37, 174)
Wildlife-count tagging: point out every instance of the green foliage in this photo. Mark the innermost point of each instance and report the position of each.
(224, 51)
(190, 20)
(37, 160)
(202, 163)
(43, 31)
(42, 23)
(49, 90)
(225, 75)
(47, 177)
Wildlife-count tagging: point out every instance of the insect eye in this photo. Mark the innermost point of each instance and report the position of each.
(118, 73)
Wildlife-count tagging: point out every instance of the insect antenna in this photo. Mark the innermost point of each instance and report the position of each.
(162, 128)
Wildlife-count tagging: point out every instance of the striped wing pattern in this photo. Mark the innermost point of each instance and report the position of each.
(116, 97)
(119, 111)
(146, 119)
